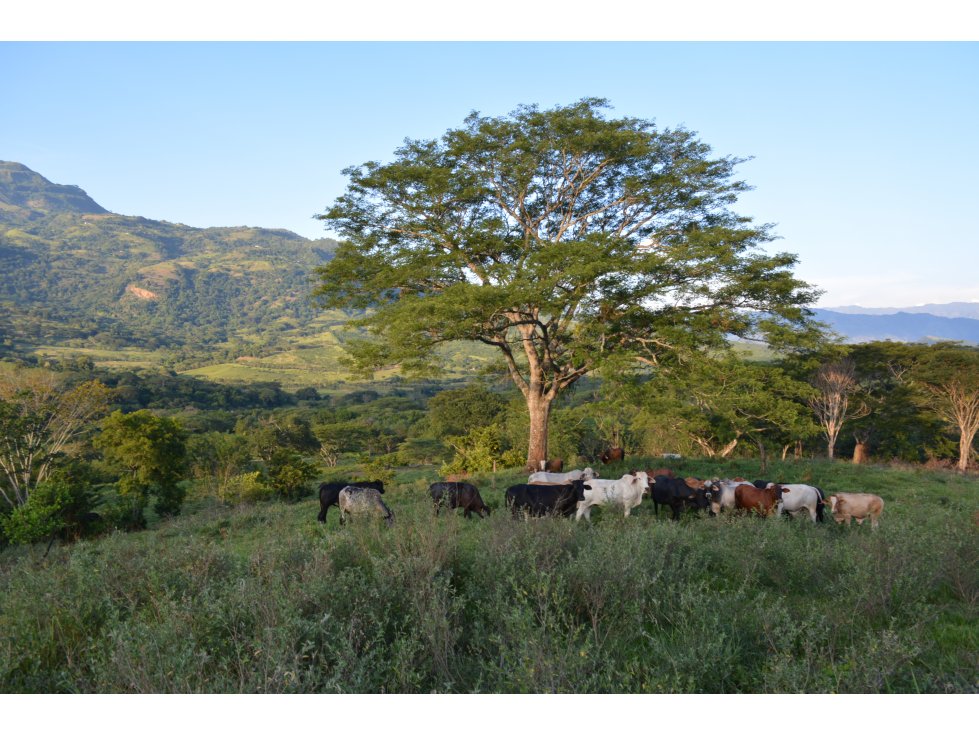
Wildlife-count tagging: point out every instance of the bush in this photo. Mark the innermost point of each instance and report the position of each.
(287, 475)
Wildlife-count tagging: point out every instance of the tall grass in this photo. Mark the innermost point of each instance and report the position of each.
(264, 599)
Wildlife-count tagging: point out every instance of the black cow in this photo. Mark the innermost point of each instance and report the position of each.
(458, 494)
(677, 494)
(538, 500)
(330, 494)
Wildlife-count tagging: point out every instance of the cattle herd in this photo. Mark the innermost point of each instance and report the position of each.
(577, 492)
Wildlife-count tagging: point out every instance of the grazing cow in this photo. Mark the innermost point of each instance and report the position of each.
(626, 493)
(538, 500)
(458, 494)
(763, 501)
(858, 506)
(612, 454)
(363, 501)
(677, 494)
(801, 497)
(330, 494)
(544, 477)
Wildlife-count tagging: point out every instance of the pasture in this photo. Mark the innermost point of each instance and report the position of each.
(263, 598)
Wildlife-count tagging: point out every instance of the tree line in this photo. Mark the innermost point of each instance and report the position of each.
(77, 456)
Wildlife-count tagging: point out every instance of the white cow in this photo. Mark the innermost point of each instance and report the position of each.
(548, 477)
(800, 497)
(846, 505)
(722, 491)
(626, 493)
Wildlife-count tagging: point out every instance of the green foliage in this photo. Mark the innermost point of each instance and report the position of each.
(378, 470)
(456, 412)
(150, 452)
(267, 435)
(40, 517)
(287, 475)
(216, 462)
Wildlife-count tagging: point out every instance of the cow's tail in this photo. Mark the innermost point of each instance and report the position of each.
(389, 514)
(820, 504)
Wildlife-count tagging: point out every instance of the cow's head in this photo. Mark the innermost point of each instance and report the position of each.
(641, 480)
(588, 473)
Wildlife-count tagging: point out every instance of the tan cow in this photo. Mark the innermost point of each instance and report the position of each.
(845, 505)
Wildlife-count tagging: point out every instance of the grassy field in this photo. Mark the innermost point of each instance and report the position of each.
(262, 598)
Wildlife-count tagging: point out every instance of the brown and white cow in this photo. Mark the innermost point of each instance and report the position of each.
(763, 501)
(858, 506)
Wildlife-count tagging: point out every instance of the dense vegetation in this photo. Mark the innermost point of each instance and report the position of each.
(262, 598)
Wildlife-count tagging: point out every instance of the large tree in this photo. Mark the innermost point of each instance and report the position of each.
(564, 239)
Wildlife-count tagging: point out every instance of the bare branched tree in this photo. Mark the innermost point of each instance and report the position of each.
(958, 403)
(836, 383)
(39, 421)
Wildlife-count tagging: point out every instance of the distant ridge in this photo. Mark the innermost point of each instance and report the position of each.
(29, 192)
(953, 310)
(900, 326)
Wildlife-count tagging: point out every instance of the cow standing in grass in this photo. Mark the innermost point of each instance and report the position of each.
(363, 501)
(537, 500)
(626, 493)
(458, 494)
(846, 506)
(330, 494)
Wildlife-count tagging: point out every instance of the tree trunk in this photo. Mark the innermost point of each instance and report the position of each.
(785, 451)
(965, 449)
(798, 450)
(763, 455)
(860, 453)
(539, 410)
(831, 446)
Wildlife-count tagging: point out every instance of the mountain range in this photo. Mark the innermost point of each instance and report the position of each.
(902, 325)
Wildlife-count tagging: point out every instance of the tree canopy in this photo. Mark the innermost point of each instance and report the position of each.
(567, 240)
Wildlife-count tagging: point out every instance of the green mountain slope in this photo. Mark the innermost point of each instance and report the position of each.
(73, 271)
(228, 303)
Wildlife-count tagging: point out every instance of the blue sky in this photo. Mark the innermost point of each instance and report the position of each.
(864, 154)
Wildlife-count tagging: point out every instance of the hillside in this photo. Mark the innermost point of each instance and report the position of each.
(78, 275)
(231, 304)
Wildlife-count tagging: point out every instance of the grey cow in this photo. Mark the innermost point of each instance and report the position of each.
(363, 501)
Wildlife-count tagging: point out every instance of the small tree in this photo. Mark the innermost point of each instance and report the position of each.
(287, 475)
(151, 453)
(835, 383)
(949, 376)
